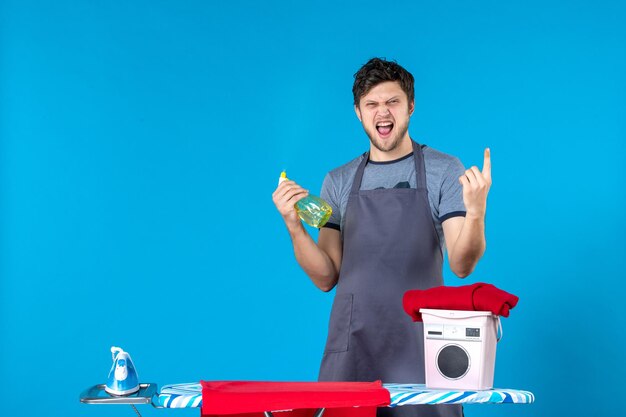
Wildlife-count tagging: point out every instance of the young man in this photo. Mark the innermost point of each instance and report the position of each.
(395, 209)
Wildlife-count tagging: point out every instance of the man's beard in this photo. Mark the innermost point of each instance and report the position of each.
(393, 144)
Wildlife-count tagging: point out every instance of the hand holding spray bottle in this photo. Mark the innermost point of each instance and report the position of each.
(311, 209)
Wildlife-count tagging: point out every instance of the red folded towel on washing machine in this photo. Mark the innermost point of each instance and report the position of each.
(295, 399)
(475, 297)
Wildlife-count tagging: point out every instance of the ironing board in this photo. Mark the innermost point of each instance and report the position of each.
(190, 396)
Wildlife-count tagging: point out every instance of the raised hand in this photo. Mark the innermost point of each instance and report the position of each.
(476, 184)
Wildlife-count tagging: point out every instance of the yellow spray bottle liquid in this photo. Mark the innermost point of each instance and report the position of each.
(312, 210)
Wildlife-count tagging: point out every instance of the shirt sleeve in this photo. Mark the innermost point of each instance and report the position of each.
(330, 194)
(451, 197)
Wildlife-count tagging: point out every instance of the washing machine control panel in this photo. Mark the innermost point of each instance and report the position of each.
(452, 332)
(472, 331)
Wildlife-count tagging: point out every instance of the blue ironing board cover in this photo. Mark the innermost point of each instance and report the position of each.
(190, 395)
(179, 396)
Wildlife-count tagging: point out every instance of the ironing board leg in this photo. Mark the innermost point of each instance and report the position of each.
(318, 413)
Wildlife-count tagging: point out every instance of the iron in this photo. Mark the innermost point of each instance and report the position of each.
(123, 378)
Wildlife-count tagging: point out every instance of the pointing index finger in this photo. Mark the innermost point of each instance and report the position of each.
(487, 164)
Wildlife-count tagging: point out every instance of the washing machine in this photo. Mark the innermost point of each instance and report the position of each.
(460, 348)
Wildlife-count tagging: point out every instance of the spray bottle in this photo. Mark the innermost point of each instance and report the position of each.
(312, 210)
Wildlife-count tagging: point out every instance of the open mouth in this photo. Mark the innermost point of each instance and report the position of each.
(384, 128)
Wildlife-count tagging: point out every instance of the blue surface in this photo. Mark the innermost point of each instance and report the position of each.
(140, 143)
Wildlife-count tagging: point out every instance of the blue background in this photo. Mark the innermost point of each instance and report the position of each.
(141, 142)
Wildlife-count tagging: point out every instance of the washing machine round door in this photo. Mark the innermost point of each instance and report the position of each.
(453, 361)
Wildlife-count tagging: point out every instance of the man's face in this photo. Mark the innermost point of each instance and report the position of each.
(385, 112)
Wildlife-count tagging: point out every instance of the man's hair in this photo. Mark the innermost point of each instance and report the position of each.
(377, 71)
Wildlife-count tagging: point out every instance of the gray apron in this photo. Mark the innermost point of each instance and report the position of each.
(390, 245)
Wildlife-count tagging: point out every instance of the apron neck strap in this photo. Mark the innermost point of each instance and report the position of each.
(420, 171)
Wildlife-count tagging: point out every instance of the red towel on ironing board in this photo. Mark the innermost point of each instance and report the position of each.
(294, 399)
(475, 297)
